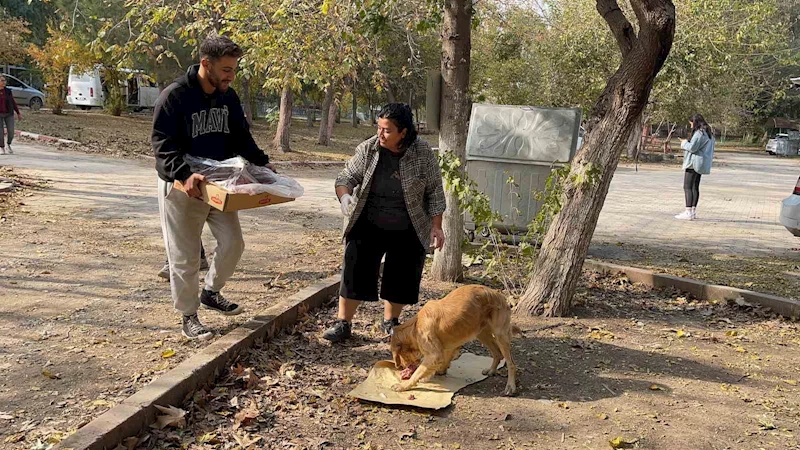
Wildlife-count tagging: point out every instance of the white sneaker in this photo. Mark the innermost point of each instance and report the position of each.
(10, 150)
(686, 215)
(2, 150)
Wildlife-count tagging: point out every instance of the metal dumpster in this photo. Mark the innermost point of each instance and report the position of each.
(522, 142)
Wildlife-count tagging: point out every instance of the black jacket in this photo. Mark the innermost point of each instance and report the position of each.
(186, 120)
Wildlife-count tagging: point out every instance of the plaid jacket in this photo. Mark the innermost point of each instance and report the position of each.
(420, 176)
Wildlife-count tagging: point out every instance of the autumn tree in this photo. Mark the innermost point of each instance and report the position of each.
(54, 59)
(13, 34)
(644, 50)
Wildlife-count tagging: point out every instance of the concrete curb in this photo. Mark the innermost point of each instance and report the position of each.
(784, 306)
(43, 138)
(137, 411)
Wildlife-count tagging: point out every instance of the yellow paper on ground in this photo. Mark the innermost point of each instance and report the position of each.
(437, 393)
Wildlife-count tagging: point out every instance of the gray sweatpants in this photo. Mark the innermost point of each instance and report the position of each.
(8, 120)
(182, 220)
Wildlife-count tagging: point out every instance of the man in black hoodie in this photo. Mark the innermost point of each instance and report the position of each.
(200, 115)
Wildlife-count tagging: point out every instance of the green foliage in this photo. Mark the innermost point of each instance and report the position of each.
(508, 265)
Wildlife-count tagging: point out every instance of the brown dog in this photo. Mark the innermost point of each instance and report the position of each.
(435, 335)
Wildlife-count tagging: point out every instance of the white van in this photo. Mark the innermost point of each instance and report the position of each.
(88, 90)
(85, 90)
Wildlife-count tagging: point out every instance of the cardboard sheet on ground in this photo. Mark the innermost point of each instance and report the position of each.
(437, 393)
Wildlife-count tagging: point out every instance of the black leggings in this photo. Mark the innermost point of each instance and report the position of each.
(691, 187)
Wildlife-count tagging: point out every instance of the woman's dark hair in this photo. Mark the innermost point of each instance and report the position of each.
(403, 118)
(700, 124)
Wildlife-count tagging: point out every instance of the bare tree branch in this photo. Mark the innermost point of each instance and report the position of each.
(619, 24)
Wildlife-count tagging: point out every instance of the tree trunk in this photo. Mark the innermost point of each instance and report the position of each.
(456, 45)
(331, 111)
(338, 114)
(324, 134)
(390, 92)
(636, 137)
(355, 105)
(248, 105)
(559, 263)
(284, 121)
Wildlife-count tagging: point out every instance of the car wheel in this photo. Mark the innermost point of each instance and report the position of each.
(85, 108)
(36, 103)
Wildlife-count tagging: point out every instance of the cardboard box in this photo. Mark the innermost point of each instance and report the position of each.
(226, 201)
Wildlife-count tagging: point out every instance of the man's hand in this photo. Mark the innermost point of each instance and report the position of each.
(271, 167)
(437, 238)
(192, 185)
(683, 141)
(19, 116)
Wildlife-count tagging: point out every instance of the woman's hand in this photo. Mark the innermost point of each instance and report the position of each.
(348, 203)
(437, 238)
(683, 141)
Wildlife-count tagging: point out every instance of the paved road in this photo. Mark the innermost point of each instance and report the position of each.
(738, 211)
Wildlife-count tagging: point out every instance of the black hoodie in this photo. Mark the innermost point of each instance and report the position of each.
(187, 121)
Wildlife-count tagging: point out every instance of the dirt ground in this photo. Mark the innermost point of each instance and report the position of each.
(84, 321)
(651, 368)
(131, 135)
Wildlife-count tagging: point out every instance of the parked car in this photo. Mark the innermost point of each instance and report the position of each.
(772, 144)
(85, 90)
(24, 94)
(790, 211)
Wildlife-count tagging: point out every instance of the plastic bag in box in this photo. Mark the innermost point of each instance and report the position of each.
(240, 177)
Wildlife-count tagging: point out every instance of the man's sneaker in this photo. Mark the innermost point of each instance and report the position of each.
(340, 331)
(203, 264)
(10, 150)
(192, 328)
(215, 301)
(164, 272)
(388, 325)
(686, 215)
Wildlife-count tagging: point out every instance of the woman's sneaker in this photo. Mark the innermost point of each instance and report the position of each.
(192, 328)
(686, 215)
(215, 301)
(388, 325)
(10, 150)
(340, 331)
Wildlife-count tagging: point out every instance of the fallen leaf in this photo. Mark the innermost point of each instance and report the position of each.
(766, 424)
(168, 353)
(158, 344)
(130, 443)
(655, 387)
(740, 349)
(51, 375)
(208, 438)
(620, 442)
(173, 417)
(602, 416)
(244, 417)
(791, 382)
(411, 397)
(681, 333)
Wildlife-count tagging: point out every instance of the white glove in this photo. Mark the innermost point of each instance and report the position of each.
(348, 204)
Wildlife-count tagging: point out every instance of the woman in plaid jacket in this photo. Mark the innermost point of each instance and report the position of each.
(392, 198)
